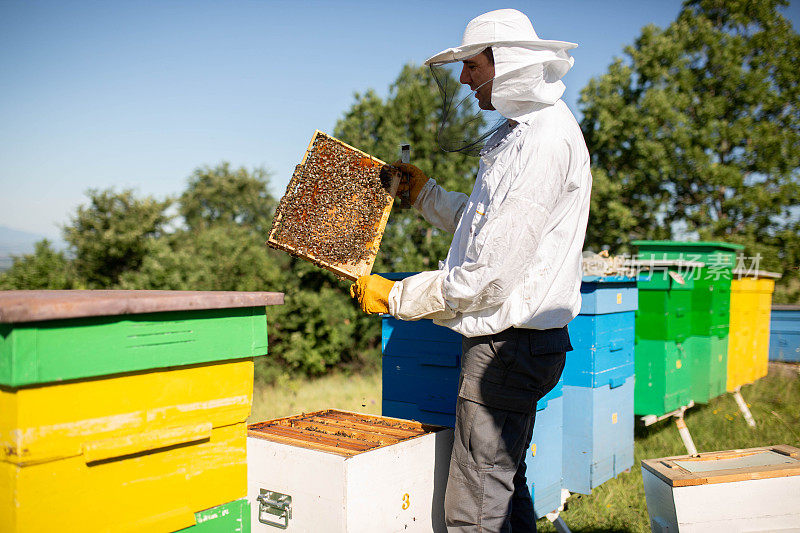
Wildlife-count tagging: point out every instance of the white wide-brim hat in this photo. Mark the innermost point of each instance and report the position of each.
(503, 27)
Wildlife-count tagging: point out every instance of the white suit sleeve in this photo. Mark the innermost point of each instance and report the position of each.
(439, 207)
(420, 296)
(508, 235)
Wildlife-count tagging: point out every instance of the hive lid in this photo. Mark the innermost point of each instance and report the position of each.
(689, 244)
(614, 279)
(726, 466)
(785, 307)
(653, 263)
(35, 306)
(335, 208)
(755, 273)
(339, 432)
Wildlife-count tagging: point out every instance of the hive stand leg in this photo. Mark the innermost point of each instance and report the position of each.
(743, 408)
(560, 525)
(556, 520)
(686, 437)
(677, 414)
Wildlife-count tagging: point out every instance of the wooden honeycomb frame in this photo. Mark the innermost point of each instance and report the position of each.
(350, 270)
(339, 432)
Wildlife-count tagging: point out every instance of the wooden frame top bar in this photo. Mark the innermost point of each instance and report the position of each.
(342, 433)
(36, 306)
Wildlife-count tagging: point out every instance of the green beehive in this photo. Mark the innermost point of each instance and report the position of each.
(665, 303)
(52, 336)
(663, 324)
(706, 345)
(232, 517)
(662, 378)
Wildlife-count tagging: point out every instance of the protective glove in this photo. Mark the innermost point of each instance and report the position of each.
(372, 293)
(412, 180)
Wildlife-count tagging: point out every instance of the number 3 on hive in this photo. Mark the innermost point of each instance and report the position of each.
(406, 501)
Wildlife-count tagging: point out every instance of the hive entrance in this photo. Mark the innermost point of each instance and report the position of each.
(335, 208)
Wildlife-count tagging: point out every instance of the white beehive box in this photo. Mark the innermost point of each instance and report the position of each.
(756, 489)
(335, 471)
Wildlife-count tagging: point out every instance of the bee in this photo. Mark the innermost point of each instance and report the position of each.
(333, 205)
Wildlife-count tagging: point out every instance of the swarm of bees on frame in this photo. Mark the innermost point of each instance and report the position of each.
(332, 208)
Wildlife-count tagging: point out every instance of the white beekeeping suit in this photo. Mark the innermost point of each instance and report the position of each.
(515, 259)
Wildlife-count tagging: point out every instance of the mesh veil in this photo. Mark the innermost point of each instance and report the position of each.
(464, 127)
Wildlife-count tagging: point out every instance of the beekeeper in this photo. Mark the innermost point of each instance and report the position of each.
(511, 279)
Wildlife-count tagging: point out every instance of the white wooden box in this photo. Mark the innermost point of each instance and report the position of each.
(757, 489)
(347, 472)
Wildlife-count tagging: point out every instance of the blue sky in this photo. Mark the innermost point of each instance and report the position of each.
(99, 94)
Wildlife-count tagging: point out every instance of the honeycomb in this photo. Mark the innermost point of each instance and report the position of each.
(335, 208)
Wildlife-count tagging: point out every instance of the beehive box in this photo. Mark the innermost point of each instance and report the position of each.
(748, 338)
(598, 434)
(603, 347)
(421, 365)
(665, 301)
(756, 489)
(337, 471)
(784, 334)
(233, 517)
(708, 360)
(663, 377)
(136, 397)
(335, 208)
(706, 347)
(608, 294)
(545, 455)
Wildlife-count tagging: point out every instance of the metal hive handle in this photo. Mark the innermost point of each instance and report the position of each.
(275, 504)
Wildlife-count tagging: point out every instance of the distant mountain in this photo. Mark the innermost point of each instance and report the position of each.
(17, 242)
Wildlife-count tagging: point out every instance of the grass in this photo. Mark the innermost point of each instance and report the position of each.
(293, 395)
(619, 504)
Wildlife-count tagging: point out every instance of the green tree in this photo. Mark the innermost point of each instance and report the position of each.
(45, 268)
(223, 257)
(223, 194)
(699, 128)
(113, 235)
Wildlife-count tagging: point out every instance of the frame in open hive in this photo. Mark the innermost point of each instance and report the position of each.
(339, 432)
(335, 208)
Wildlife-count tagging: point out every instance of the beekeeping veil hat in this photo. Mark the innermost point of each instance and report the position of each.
(528, 72)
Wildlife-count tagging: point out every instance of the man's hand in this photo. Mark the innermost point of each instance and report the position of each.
(412, 180)
(372, 293)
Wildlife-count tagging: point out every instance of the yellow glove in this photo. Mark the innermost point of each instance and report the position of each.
(372, 293)
(412, 180)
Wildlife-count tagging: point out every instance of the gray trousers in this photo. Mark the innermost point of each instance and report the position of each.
(502, 378)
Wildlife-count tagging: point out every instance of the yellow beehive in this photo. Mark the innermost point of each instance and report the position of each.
(141, 451)
(748, 340)
(764, 289)
(124, 410)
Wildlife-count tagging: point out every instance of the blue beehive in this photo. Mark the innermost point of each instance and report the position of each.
(598, 437)
(598, 384)
(784, 333)
(608, 294)
(421, 364)
(544, 456)
(603, 347)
